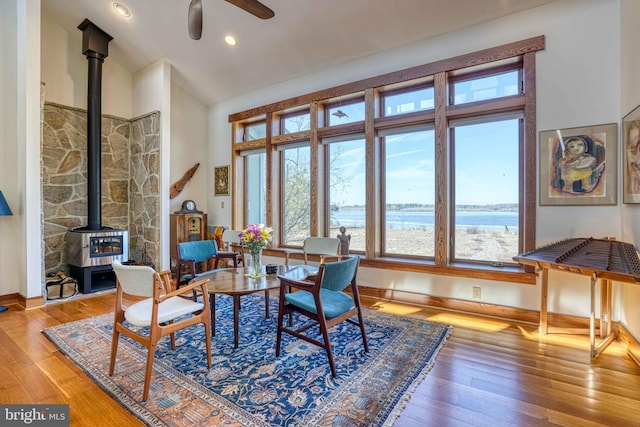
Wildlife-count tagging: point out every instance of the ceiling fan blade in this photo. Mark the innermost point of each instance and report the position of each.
(254, 7)
(195, 19)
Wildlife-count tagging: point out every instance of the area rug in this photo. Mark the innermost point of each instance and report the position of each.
(249, 386)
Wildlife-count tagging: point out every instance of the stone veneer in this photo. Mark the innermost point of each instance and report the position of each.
(130, 190)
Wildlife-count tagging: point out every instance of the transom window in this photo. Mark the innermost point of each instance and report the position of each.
(408, 101)
(296, 122)
(343, 113)
(257, 130)
(487, 87)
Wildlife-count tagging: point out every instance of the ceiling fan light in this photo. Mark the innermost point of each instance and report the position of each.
(230, 40)
(121, 10)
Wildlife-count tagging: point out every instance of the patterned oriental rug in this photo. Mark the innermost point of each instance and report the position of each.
(249, 386)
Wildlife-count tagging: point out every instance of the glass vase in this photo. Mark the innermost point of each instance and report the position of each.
(255, 263)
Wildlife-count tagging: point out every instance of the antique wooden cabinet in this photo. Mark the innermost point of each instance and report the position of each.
(185, 225)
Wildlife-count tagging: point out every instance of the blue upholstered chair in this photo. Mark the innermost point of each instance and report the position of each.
(324, 302)
(194, 259)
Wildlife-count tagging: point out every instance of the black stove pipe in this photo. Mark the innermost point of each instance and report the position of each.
(95, 46)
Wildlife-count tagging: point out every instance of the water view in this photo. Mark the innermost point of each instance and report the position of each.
(410, 220)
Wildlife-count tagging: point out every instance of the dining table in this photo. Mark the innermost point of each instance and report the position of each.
(237, 282)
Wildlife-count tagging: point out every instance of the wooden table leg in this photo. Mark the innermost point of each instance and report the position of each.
(266, 303)
(592, 317)
(543, 275)
(605, 308)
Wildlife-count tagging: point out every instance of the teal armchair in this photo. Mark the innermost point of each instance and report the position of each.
(323, 302)
(191, 255)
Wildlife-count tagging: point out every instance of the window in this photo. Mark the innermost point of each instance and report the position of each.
(409, 193)
(343, 113)
(257, 130)
(296, 122)
(429, 169)
(296, 183)
(347, 192)
(407, 101)
(255, 193)
(487, 87)
(486, 187)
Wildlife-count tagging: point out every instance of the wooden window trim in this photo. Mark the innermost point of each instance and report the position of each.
(440, 71)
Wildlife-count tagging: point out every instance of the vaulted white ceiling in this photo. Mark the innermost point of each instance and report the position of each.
(303, 37)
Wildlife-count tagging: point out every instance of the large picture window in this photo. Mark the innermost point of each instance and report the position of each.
(486, 191)
(296, 195)
(409, 193)
(256, 187)
(347, 195)
(428, 169)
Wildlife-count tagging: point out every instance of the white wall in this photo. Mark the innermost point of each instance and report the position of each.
(64, 71)
(20, 246)
(8, 140)
(578, 84)
(189, 145)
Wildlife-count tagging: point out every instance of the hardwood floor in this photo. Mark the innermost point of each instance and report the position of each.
(490, 373)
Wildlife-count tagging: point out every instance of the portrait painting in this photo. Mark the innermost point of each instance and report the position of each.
(578, 166)
(631, 157)
(221, 180)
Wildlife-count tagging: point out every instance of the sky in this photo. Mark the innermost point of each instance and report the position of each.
(486, 162)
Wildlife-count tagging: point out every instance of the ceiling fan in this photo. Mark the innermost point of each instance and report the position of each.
(254, 7)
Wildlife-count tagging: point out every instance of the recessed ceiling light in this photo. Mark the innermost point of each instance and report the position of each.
(121, 10)
(230, 40)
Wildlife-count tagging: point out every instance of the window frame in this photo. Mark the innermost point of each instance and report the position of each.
(441, 73)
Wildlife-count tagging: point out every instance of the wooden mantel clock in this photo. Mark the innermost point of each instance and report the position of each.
(187, 224)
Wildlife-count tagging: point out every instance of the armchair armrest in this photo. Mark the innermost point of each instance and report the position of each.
(201, 283)
(287, 282)
(180, 262)
(233, 256)
(323, 258)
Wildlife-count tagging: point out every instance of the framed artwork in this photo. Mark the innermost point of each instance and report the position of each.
(578, 166)
(221, 180)
(631, 157)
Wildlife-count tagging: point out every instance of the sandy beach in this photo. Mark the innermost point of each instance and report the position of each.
(472, 243)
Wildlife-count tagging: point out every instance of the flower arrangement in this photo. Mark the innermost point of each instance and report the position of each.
(256, 237)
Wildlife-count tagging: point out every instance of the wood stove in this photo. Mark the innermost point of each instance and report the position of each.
(90, 253)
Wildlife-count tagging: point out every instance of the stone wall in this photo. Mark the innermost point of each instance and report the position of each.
(130, 164)
(144, 202)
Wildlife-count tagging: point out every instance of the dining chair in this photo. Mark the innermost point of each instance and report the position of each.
(196, 258)
(233, 243)
(162, 310)
(322, 247)
(323, 302)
